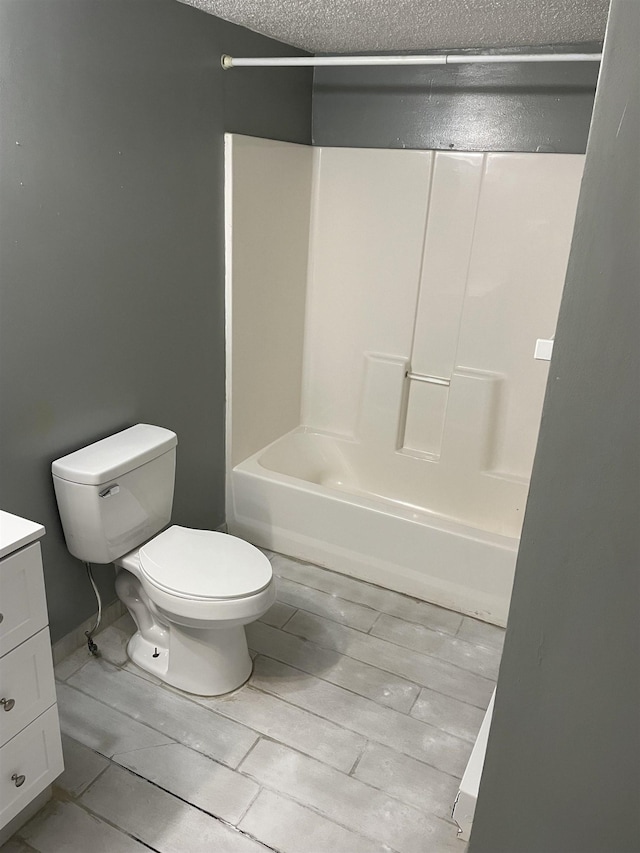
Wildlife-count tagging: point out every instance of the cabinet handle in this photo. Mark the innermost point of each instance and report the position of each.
(7, 703)
(19, 780)
(1, 616)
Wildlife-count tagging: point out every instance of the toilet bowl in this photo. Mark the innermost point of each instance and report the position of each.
(190, 592)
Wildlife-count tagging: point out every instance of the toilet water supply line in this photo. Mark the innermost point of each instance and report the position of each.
(93, 648)
(228, 62)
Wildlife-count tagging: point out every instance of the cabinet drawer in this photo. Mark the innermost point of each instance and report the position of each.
(23, 607)
(26, 684)
(36, 754)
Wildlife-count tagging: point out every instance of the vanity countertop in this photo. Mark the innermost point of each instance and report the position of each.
(16, 532)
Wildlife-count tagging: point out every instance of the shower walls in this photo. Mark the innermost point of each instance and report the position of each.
(447, 266)
(444, 265)
(268, 206)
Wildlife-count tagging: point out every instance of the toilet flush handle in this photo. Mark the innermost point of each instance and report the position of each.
(112, 490)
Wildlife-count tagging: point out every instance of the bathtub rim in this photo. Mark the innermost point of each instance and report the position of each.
(373, 502)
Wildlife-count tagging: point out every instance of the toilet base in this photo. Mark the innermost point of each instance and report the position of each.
(206, 662)
(202, 660)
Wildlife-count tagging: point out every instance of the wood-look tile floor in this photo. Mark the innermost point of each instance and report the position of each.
(351, 735)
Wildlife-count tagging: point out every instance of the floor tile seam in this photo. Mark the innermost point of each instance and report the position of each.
(332, 595)
(90, 785)
(437, 656)
(413, 704)
(325, 817)
(288, 619)
(325, 814)
(327, 616)
(253, 747)
(441, 633)
(305, 804)
(490, 646)
(399, 645)
(171, 738)
(70, 675)
(358, 759)
(342, 687)
(218, 761)
(256, 732)
(464, 702)
(222, 821)
(367, 737)
(482, 708)
(253, 799)
(260, 734)
(432, 725)
(469, 741)
(175, 691)
(133, 669)
(360, 582)
(422, 810)
(108, 822)
(375, 622)
(196, 699)
(392, 672)
(394, 592)
(304, 755)
(386, 793)
(324, 681)
(484, 646)
(318, 645)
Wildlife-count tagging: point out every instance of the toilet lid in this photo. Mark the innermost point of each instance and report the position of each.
(203, 564)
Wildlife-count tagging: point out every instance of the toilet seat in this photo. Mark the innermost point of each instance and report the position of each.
(203, 565)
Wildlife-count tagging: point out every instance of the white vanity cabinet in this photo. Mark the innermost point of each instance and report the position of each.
(30, 749)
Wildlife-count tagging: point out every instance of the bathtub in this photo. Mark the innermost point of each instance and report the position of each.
(319, 498)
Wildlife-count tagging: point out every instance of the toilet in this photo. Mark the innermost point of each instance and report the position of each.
(190, 592)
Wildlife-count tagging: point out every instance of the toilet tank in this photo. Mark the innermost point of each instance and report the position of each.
(115, 494)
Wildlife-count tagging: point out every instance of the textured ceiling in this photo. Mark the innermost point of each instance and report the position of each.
(349, 26)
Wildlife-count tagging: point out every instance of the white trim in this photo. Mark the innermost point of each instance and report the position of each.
(228, 309)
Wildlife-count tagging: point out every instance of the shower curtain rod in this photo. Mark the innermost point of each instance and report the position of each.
(406, 59)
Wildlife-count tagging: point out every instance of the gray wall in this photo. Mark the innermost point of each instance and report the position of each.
(563, 764)
(524, 107)
(111, 243)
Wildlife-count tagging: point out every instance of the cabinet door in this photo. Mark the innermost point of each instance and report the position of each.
(23, 606)
(26, 684)
(28, 763)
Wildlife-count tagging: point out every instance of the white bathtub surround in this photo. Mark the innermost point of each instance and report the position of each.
(334, 744)
(431, 275)
(268, 209)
